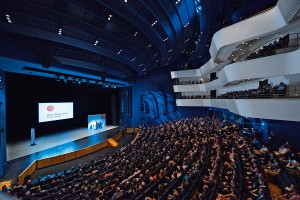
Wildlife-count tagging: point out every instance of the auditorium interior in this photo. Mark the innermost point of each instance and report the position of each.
(150, 99)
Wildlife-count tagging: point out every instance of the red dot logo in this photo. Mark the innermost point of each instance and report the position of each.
(50, 108)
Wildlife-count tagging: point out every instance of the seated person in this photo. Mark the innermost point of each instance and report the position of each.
(262, 150)
(291, 195)
(282, 150)
(292, 163)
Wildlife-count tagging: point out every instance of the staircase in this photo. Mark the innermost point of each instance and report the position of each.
(112, 143)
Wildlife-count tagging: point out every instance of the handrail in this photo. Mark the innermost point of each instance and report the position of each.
(277, 38)
(291, 91)
(287, 42)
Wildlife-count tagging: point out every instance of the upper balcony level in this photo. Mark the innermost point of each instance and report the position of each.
(260, 28)
(283, 64)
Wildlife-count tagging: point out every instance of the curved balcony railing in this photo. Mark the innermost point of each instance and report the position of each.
(279, 45)
(291, 91)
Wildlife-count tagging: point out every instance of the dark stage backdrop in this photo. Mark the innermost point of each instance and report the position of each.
(25, 92)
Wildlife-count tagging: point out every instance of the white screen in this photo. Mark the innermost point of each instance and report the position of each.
(55, 111)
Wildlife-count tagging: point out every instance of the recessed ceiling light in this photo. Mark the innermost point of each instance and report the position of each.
(246, 43)
(155, 22)
(110, 17)
(8, 18)
(120, 51)
(165, 39)
(59, 31)
(257, 38)
(149, 45)
(170, 50)
(96, 42)
(135, 34)
(141, 64)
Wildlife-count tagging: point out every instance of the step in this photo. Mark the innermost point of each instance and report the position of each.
(111, 142)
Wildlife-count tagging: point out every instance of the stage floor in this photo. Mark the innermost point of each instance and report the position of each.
(56, 142)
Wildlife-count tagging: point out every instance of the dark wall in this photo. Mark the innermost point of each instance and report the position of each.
(285, 131)
(152, 100)
(25, 92)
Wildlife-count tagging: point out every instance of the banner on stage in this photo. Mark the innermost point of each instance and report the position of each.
(96, 121)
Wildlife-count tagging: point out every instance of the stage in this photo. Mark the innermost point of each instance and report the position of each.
(59, 143)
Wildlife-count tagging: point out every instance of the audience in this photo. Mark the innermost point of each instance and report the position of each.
(271, 48)
(192, 158)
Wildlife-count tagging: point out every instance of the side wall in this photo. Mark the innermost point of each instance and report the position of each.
(152, 100)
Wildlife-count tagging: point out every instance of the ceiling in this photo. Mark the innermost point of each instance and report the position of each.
(112, 40)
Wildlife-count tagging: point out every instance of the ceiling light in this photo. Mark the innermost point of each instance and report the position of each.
(155, 54)
(170, 50)
(165, 39)
(149, 45)
(133, 59)
(166, 64)
(186, 40)
(170, 58)
(59, 31)
(8, 18)
(141, 64)
(155, 22)
(246, 43)
(157, 61)
(110, 17)
(120, 51)
(241, 49)
(257, 38)
(125, 1)
(135, 34)
(250, 45)
(96, 42)
(178, 1)
(144, 69)
(186, 25)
